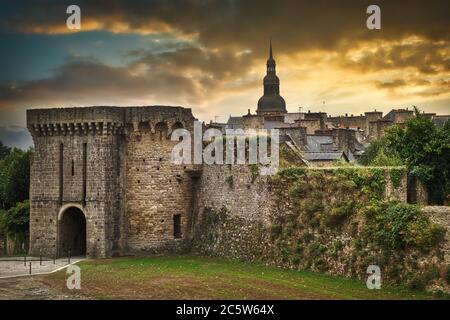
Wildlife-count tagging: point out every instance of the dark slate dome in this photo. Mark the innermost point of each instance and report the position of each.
(271, 103)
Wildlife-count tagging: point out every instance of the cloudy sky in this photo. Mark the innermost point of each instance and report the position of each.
(210, 55)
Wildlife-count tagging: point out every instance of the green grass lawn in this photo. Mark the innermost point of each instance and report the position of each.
(195, 277)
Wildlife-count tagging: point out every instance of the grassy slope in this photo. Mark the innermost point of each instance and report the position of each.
(192, 277)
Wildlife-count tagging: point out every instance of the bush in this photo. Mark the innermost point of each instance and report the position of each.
(229, 181)
(275, 231)
(254, 171)
(397, 225)
(417, 282)
(421, 280)
(447, 275)
(299, 189)
(340, 213)
(396, 175)
(292, 173)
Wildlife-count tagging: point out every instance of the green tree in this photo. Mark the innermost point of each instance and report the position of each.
(423, 147)
(17, 218)
(378, 154)
(14, 178)
(4, 150)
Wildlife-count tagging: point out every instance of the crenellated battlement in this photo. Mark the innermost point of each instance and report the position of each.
(107, 120)
(84, 128)
(93, 169)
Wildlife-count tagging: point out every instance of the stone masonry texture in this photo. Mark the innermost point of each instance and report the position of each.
(126, 186)
(112, 165)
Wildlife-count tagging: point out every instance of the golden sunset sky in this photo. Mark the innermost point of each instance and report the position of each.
(210, 55)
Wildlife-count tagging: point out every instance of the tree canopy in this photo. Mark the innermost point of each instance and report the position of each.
(4, 150)
(423, 147)
(14, 190)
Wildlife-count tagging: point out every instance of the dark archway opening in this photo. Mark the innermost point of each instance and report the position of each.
(72, 233)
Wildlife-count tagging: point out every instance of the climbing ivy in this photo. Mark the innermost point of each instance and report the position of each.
(396, 175)
(254, 171)
(318, 206)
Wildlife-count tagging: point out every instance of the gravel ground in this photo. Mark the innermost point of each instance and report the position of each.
(32, 288)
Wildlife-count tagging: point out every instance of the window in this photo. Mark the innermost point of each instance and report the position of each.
(73, 168)
(177, 226)
(61, 168)
(84, 186)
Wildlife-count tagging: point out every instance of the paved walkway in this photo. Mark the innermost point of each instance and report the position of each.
(14, 266)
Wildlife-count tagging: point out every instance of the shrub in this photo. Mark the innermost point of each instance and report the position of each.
(417, 282)
(339, 213)
(397, 225)
(421, 280)
(447, 274)
(292, 173)
(299, 189)
(321, 265)
(254, 171)
(229, 181)
(396, 175)
(275, 231)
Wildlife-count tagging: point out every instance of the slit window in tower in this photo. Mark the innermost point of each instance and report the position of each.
(177, 226)
(73, 168)
(84, 187)
(61, 172)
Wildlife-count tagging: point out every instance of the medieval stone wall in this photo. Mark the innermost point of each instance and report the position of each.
(307, 218)
(155, 191)
(240, 192)
(111, 163)
(441, 215)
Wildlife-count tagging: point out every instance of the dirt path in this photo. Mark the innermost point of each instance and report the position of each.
(31, 288)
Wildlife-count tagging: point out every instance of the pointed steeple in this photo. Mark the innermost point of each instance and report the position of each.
(270, 61)
(271, 102)
(270, 51)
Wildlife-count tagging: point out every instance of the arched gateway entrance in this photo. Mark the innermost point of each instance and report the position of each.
(71, 232)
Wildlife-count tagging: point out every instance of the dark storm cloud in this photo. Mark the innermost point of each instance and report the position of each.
(15, 136)
(188, 75)
(223, 40)
(85, 80)
(295, 24)
(215, 66)
(426, 57)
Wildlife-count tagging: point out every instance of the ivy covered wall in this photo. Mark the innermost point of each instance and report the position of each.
(337, 221)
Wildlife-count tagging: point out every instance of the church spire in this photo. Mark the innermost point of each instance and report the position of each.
(270, 52)
(271, 102)
(270, 61)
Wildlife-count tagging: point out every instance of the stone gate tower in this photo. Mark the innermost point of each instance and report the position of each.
(102, 182)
